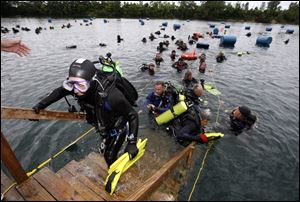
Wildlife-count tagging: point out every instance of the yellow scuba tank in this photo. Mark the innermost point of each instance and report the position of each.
(168, 115)
(181, 97)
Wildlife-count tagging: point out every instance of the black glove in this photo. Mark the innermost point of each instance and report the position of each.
(36, 109)
(132, 150)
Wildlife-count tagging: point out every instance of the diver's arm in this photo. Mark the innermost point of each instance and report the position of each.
(54, 96)
(164, 108)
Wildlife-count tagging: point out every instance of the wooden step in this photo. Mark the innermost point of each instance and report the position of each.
(89, 178)
(31, 190)
(58, 188)
(99, 166)
(12, 194)
(84, 191)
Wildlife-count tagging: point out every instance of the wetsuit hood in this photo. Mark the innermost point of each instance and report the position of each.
(82, 68)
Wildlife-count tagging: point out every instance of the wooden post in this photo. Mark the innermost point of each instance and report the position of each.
(155, 180)
(11, 162)
(190, 157)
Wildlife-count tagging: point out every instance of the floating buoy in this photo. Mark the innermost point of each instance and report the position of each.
(247, 28)
(289, 31)
(268, 29)
(215, 31)
(264, 41)
(176, 26)
(202, 45)
(71, 47)
(228, 40)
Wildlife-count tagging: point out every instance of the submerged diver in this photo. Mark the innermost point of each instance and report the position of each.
(188, 80)
(158, 59)
(180, 65)
(221, 57)
(190, 126)
(106, 106)
(150, 67)
(241, 118)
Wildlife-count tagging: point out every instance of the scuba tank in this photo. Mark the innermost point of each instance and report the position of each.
(180, 107)
(173, 112)
(108, 65)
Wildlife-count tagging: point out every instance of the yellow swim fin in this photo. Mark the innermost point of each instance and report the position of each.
(211, 89)
(121, 165)
(213, 136)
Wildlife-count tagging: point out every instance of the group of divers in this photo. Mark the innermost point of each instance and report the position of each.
(180, 64)
(109, 100)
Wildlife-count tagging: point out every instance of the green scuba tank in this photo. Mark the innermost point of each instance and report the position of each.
(108, 67)
(169, 115)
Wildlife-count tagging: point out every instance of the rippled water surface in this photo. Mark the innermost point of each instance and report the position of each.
(261, 164)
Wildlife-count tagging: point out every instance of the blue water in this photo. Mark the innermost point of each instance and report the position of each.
(260, 164)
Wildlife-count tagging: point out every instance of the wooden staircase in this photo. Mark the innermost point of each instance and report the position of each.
(84, 180)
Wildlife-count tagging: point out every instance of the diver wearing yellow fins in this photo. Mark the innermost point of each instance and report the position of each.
(121, 165)
(108, 99)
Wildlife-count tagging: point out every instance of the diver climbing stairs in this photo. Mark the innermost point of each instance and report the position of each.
(76, 181)
(84, 180)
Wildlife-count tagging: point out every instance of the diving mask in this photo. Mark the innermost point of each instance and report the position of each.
(78, 86)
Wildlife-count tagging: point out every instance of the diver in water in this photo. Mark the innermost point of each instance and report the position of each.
(241, 118)
(150, 67)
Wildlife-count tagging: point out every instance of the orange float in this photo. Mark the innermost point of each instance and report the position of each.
(189, 56)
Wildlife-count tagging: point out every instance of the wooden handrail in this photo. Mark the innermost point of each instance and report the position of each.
(7, 155)
(155, 180)
(25, 113)
(11, 162)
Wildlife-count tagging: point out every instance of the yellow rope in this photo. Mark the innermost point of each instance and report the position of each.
(210, 145)
(11, 186)
(202, 164)
(48, 160)
(58, 153)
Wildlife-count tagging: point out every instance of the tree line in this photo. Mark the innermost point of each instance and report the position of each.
(207, 10)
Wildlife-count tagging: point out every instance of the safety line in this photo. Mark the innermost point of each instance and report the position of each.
(199, 172)
(48, 160)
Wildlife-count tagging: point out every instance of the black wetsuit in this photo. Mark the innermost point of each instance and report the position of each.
(238, 126)
(187, 126)
(188, 84)
(113, 112)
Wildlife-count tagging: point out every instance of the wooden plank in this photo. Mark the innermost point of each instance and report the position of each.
(25, 113)
(98, 165)
(11, 162)
(87, 176)
(129, 180)
(31, 190)
(59, 189)
(12, 194)
(84, 191)
(155, 180)
(190, 157)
